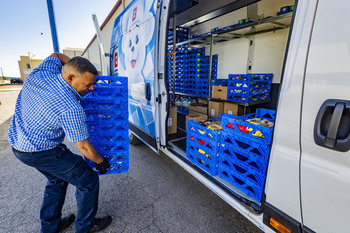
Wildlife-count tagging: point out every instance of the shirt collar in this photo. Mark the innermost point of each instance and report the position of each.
(69, 87)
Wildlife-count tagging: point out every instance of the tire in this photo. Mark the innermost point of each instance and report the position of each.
(133, 140)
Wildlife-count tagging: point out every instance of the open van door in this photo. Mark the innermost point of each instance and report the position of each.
(325, 129)
(133, 55)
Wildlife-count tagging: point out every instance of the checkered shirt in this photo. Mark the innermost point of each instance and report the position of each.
(47, 109)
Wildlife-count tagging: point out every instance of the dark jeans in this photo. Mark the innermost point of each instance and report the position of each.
(61, 166)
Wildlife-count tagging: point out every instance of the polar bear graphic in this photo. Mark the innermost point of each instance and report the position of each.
(138, 29)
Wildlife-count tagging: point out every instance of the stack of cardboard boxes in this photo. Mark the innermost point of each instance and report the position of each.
(199, 111)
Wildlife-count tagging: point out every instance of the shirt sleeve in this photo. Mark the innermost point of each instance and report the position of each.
(53, 65)
(74, 125)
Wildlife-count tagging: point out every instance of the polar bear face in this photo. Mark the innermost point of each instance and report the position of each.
(135, 51)
(138, 25)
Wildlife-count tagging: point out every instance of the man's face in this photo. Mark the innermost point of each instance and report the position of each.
(83, 83)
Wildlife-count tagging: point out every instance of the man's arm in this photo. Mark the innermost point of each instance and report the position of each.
(63, 58)
(89, 151)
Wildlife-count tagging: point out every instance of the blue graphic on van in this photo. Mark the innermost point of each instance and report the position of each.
(132, 46)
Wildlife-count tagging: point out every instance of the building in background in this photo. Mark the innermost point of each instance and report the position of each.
(92, 51)
(27, 64)
(73, 52)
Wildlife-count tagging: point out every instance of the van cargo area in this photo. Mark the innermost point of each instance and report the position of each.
(225, 64)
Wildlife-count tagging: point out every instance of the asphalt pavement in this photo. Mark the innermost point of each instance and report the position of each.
(156, 195)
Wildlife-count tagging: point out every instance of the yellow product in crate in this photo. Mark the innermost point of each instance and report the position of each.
(214, 127)
(201, 151)
(258, 134)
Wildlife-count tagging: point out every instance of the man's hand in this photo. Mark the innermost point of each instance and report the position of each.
(63, 58)
(102, 167)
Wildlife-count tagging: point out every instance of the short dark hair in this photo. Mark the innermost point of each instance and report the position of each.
(82, 65)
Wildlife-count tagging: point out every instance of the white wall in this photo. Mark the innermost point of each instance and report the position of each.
(269, 48)
(93, 52)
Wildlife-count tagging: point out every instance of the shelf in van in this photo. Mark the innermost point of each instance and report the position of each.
(278, 22)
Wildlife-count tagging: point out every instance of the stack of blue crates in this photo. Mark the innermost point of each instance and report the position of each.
(182, 52)
(181, 35)
(106, 108)
(197, 74)
(244, 151)
(203, 146)
(191, 70)
(248, 88)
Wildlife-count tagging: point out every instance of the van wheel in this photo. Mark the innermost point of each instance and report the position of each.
(133, 140)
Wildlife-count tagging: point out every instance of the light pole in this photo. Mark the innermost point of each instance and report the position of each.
(2, 75)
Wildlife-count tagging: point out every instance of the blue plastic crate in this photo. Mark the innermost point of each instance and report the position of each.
(182, 109)
(249, 188)
(106, 110)
(119, 163)
(284, 10)
(105, 105)
(97, 116)
(291, 8)
(219, 82)
(244, 21)
(202, 93)
(202, 161)
(108, 88)
(245, 146)
(209, 147)
(203, 132)
(242, 171)
(254, 161)
(238, 126)
(247, 88)
(107, 127)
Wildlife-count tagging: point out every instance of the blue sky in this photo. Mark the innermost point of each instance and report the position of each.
(23, 21)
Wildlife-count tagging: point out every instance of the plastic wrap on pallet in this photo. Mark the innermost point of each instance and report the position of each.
(106, 109)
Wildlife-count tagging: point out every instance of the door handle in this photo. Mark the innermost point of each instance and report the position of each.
(332, 125)
(148, 91)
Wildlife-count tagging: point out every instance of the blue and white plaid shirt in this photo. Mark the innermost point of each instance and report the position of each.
(47, 109)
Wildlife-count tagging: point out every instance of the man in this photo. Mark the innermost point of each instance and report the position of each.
(47, 110)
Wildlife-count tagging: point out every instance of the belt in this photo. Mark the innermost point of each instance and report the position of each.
(18, 151)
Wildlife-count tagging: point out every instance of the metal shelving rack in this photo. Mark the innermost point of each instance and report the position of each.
(269, 24)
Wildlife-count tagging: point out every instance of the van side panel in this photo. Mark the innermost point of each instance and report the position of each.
(135, 58)
(325, 172)
(282, 184)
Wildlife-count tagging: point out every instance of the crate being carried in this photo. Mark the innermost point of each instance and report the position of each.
(248, 88)
(106, 110)
(203, 145)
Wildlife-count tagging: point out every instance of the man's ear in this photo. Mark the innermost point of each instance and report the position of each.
(70, 78)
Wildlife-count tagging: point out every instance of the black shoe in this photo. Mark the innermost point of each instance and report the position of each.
(101, 223)
(65, 222)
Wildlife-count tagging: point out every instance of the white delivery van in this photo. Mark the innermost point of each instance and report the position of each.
(304, 45)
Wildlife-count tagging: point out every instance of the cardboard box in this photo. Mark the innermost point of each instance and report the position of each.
(215, 109)
(172, 121)
(196, 117)
(219, 92)
(233, 109)
(199, 108)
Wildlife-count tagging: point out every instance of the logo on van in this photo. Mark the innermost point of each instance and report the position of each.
(134, 14)
(116, 60)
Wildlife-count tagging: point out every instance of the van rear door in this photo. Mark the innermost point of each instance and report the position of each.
(325, 127)
(133, 51)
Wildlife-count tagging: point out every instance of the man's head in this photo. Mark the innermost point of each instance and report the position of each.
(80, 74)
